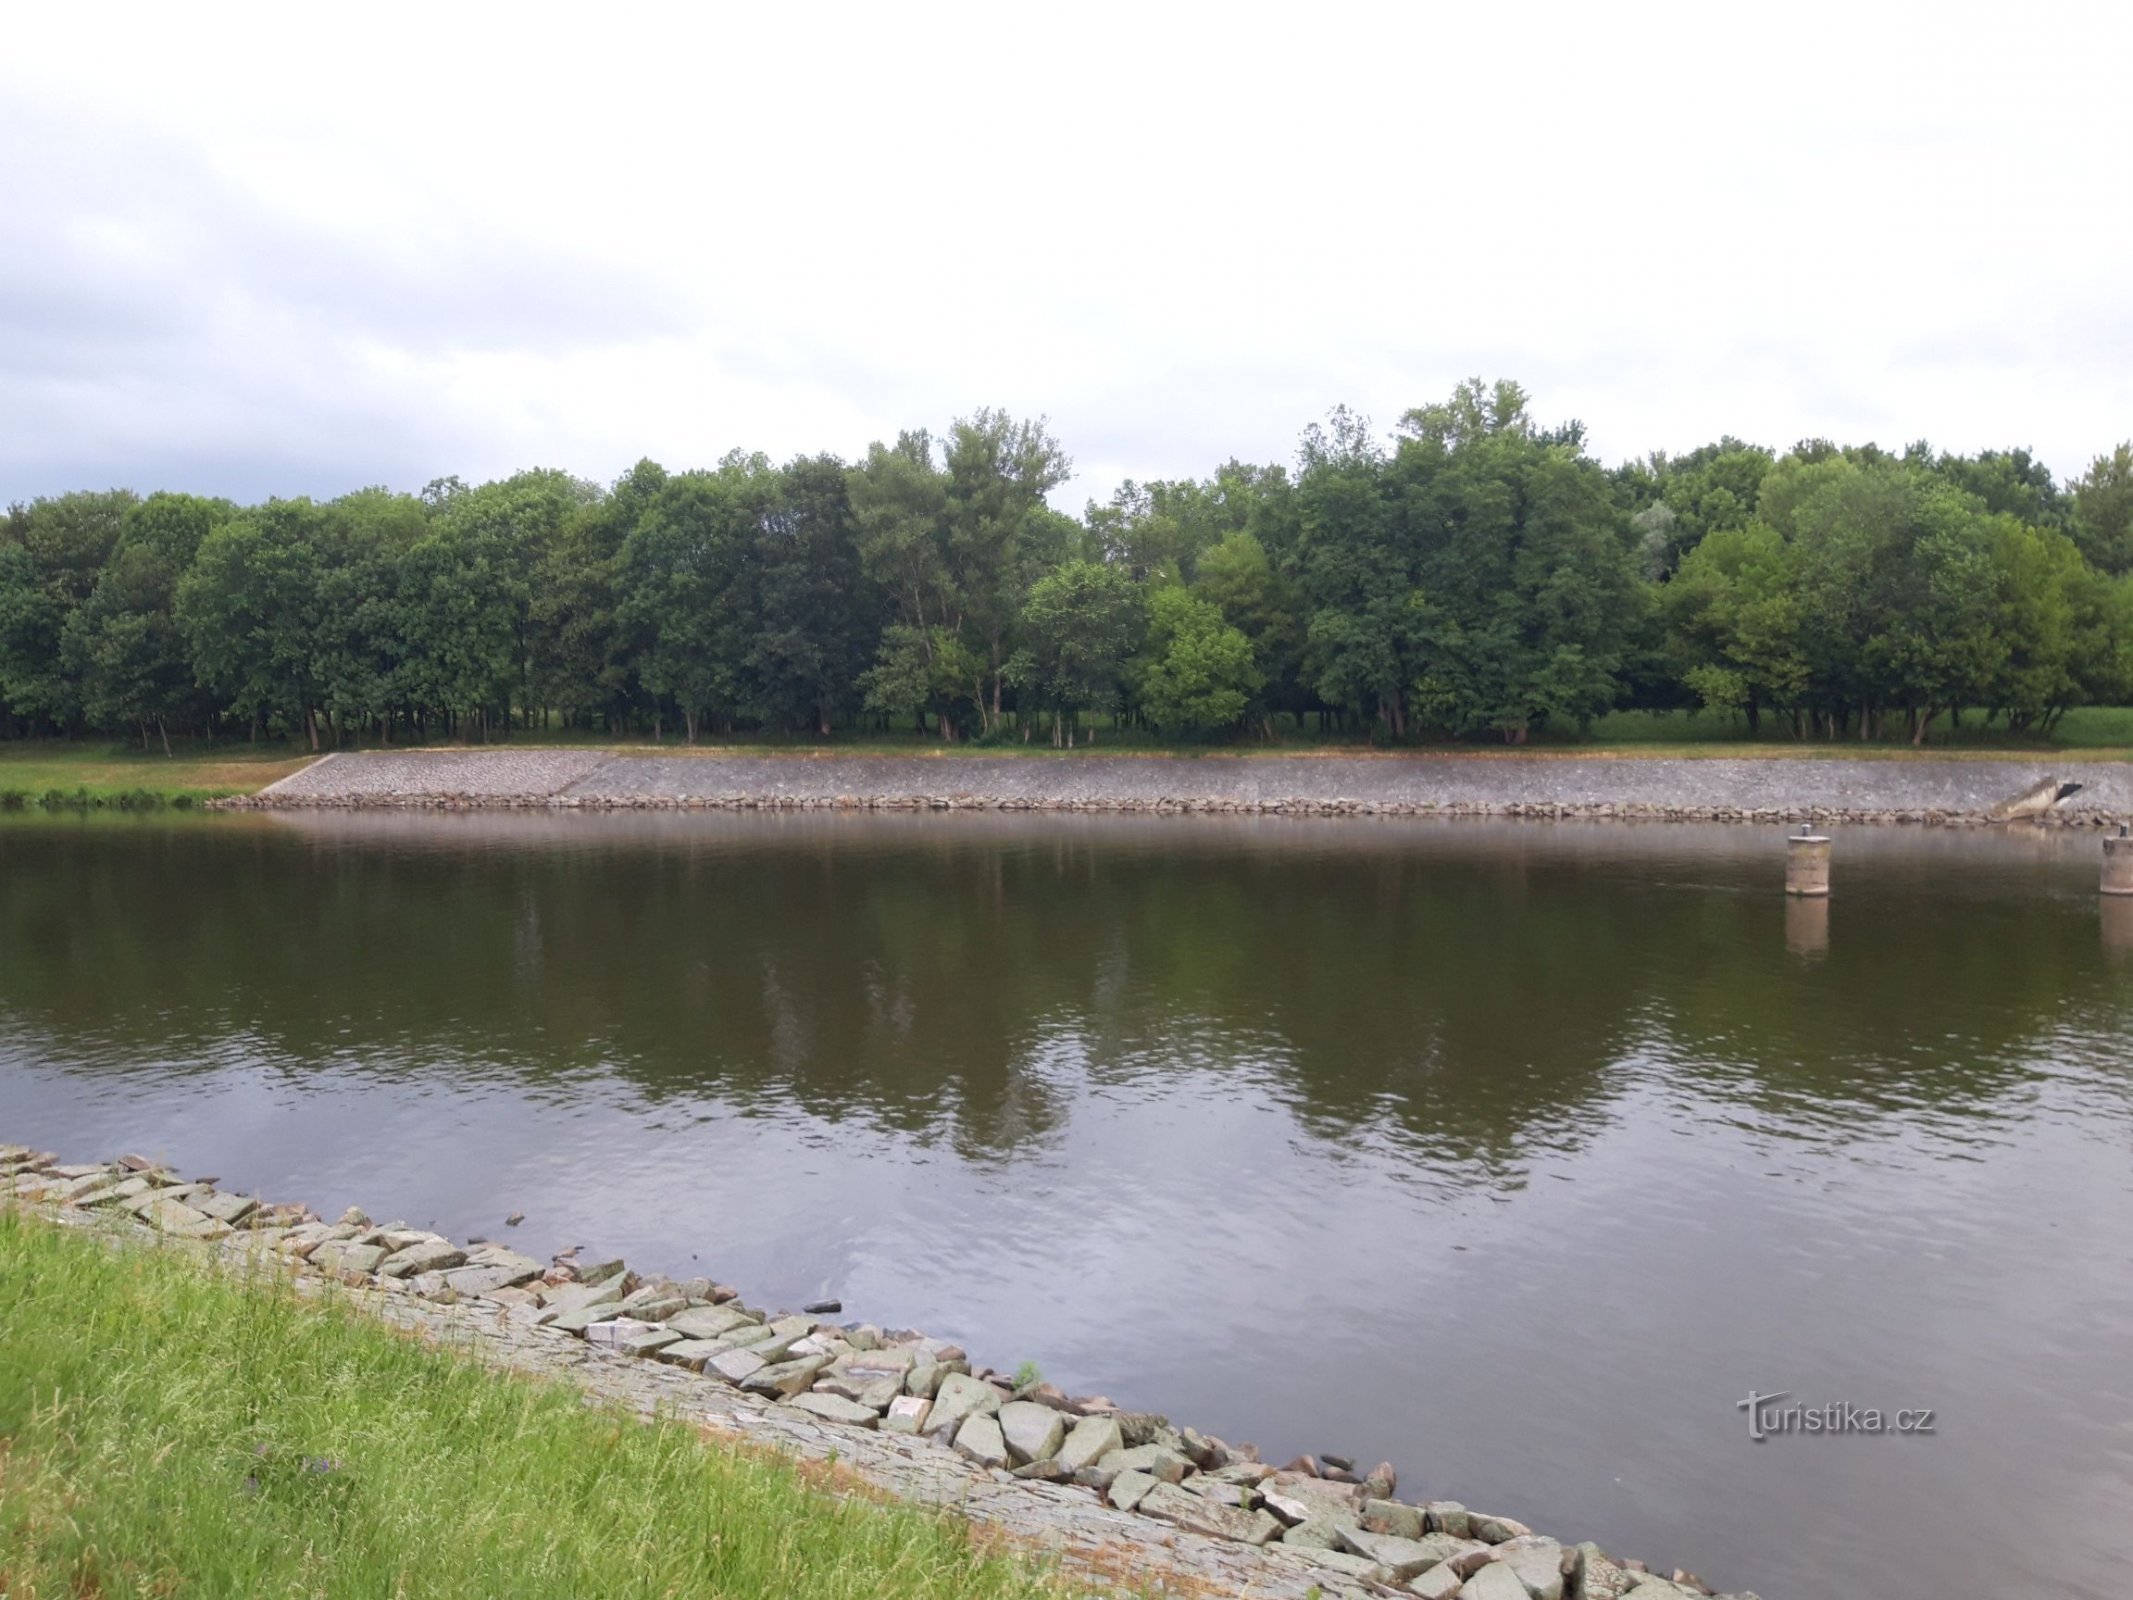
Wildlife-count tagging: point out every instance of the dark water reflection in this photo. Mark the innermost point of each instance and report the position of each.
(1517, 1154)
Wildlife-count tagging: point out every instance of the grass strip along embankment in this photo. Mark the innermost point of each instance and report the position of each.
(50, 775)
(172, 1428)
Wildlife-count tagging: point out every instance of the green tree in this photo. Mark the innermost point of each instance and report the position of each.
(998, 471)
(816, 622)
(122, 647)
(52, 552)
(1525, 603)
(1081, 624)
(686, 577)
(1237, 576)
(249, 609)
(1197, 671)
(2102, 522)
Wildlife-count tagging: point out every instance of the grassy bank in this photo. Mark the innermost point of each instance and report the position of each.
(169, 1430)
(57, 775)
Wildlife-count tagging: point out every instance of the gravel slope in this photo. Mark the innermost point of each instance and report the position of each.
(1718, 788)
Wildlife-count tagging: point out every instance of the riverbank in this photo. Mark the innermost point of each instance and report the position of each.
(168, 1430)
(1111, 1495)
(56, 776)
(1934, 790)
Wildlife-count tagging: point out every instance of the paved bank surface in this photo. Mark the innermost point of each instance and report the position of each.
(1764, 789)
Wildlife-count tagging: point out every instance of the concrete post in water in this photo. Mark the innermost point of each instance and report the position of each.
(2115, 911)
(1807, 924)
(2118, 863)
(1807, 863)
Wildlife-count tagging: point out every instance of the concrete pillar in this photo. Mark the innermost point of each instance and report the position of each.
(1807, 924)
(2117, 916)
(2117, 864)
(1807, 864)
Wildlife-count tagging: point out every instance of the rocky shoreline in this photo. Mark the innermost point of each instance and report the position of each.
(1936, 792)
(1111, 1493)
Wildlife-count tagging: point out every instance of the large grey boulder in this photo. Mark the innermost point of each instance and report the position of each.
(473, 1280)
(1404, 1558)
(979, 1439)
(430, 1255)
(1298, 1497)
(1493, 1582)
(574, 1305)
(230, 1208)
(1538, 1562)
(1390, 1516)
(907, 1414)
(1172, 1504)
(1033, 1432)
(960, 1396)
(338, 1256)
(831, 1408)
(1597, 1575)
(706, 1322)
(1448, 1516)
(785, 1378)
(1360, 1568)
(1495, 1530)
(735, 1366)
(873, 1362)
(630, 1337)
(1208, 1487)
(1318, 1533)
(180, 1220)
(690, 1353)
(1091, 1440)
(1128, 1489)
(1158, 1462)
(112, 1193)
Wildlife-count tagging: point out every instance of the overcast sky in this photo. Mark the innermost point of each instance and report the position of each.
(302, 249)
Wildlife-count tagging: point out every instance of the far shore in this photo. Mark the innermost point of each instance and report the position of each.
(1820, 786)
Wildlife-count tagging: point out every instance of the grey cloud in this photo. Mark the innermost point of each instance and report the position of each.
(160, 325)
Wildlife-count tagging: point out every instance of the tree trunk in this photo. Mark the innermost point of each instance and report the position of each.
(165, 732)
(689, 720)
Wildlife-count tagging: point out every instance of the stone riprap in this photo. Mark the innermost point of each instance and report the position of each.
(1823, 789)
(1117, 1497)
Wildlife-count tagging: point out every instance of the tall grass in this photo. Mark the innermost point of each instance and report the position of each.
(167, 1429)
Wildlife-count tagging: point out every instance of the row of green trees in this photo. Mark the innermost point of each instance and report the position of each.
(1474, 575)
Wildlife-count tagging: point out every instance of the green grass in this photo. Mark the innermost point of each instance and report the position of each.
(59, 774)
(2092, 729)
(171, 1429)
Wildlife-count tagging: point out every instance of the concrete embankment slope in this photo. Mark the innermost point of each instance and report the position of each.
(1754, 789)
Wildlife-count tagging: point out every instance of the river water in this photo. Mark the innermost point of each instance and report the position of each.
(1518, 1154)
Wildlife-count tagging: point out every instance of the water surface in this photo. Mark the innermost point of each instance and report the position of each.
(1514, 1153)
